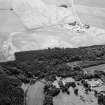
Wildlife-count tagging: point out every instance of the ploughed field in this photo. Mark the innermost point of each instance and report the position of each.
(55, 76)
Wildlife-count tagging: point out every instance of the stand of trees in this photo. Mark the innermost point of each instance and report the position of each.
(47, 63)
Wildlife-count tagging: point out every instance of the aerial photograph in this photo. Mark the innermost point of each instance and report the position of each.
(52, 52)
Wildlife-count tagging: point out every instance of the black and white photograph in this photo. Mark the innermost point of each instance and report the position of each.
(52, 52)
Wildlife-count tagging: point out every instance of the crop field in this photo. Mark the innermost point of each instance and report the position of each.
(9, 22)
(94, 3)
(92, 69)
(94, 16)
